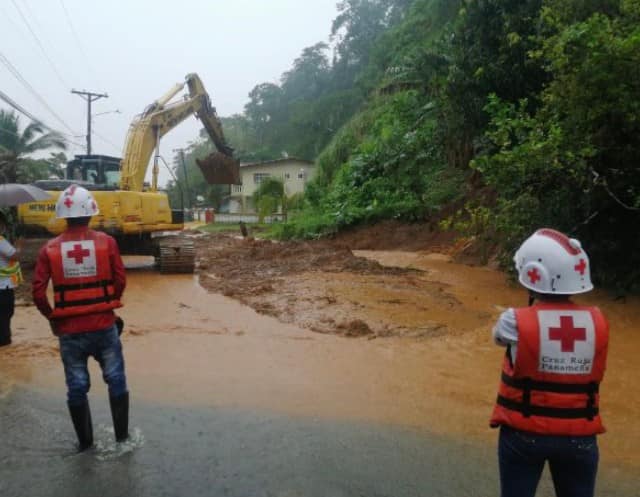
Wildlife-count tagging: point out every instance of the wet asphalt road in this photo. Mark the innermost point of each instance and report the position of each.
(229, 452)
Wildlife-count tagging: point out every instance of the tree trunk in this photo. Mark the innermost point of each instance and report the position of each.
(8, 168)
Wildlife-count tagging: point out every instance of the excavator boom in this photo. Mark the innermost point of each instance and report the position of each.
(139, 217)
(161, 117)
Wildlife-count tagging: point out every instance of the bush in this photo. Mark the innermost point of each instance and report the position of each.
(394, 170)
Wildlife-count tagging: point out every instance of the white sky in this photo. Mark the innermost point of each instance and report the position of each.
(137, 49)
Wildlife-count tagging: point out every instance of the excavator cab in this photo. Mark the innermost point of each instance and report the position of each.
(99, 170)
(94, 172)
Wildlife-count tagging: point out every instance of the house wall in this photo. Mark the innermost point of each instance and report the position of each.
(294, 174)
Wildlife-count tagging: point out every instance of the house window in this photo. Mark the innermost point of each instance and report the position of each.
(259, 177)
(287, 175)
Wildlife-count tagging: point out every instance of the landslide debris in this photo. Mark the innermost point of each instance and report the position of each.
(244, 267)
(321, 285)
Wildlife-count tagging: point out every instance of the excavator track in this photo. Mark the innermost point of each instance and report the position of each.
(175, 254)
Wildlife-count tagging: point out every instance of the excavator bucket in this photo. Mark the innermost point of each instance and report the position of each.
(220, 169)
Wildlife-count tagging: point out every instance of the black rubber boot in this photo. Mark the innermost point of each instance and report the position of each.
(120, 415)
(5, 335)
(81, 417)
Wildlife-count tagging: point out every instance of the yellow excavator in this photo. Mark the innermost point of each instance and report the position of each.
(136, 214)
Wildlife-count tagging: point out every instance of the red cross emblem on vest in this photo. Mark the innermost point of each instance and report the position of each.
(68, 202)
(567, 335)
(78, 253)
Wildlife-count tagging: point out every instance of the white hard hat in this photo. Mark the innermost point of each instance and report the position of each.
(76, 201)
(551, 262)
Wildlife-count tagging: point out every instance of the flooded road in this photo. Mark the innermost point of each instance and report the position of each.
(227, 401)
(234, 452)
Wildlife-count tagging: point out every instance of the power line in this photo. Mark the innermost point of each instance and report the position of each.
(16, 135)
(85, 55)
(107, 141)
(44, 52)
(19, 108)
(90, 97)
(25, 83)
(4, 97)
(14, 71)
(13, 133)
(78, 42)
(8, 17)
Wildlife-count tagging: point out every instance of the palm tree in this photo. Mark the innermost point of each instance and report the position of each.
(15, 146)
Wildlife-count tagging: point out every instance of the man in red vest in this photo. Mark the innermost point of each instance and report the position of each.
(88, 280)
(548, 400)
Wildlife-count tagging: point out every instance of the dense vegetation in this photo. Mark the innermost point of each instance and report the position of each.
(492, 116)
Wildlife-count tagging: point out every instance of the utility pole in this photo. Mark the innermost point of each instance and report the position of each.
(186, 180)
(89, 97)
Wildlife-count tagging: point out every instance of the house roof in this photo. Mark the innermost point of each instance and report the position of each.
(275, 161)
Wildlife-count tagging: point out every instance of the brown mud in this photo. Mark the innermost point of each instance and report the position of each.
(418, 293)
(425, 358)
(325, 287)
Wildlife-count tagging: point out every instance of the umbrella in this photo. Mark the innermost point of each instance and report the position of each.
(15, 193)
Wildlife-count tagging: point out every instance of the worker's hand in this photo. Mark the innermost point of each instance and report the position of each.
(18, 244)
(52, 325)
(119, 325)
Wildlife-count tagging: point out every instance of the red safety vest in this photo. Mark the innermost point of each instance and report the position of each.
(553, 387)
(81, 275)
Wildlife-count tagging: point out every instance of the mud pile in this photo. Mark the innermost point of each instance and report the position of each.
(323, 286)
(240, 264)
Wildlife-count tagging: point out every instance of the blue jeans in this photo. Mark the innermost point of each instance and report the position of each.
(105, 347)
(573, 463)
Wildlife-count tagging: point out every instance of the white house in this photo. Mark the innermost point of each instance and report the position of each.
(294, 174)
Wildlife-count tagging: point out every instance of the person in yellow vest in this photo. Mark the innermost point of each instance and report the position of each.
(548, 399)
(10, 278)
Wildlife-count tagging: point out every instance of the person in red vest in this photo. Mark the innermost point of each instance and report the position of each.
(548, 407)
(88, 280)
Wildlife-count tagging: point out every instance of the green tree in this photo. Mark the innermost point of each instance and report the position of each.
(572, 162)
(308, 77)
(53, 166)
(317, 95)
(269, 197)
(489, 55)
(16, 147)
(356, 29)
(264, 113)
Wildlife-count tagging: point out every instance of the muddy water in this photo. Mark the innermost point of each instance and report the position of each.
(485, 290)
(195, 351)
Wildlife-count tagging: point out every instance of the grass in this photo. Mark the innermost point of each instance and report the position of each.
(233, 228)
